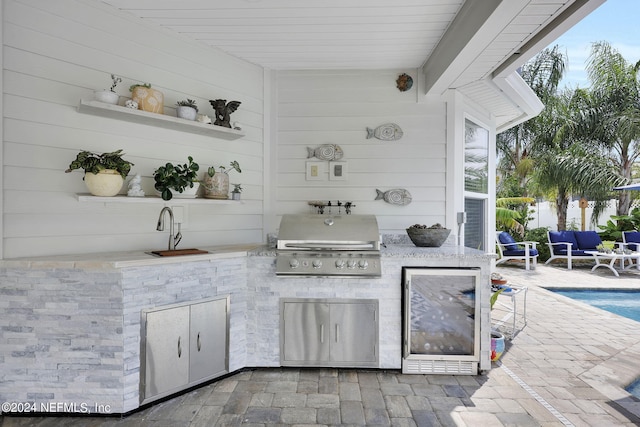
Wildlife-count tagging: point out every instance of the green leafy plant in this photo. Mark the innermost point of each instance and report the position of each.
(494, 297)
(613, 230)
(94, 163)
(132, 87)
(539, 235)
(188, 103)
(234, 165)
(237, 188)
(176, 178)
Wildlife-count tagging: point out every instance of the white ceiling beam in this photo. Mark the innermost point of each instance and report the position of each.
(569, 17)
(477, 24)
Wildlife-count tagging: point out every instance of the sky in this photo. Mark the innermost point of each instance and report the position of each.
(616, 22)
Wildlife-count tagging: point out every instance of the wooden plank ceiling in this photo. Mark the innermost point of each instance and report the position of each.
(455, 43)
(330, 34)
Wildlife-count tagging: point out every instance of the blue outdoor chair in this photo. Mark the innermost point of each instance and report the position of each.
(509, 249)
(631, 240)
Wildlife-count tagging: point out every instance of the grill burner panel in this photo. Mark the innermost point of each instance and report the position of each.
(328, 246)
(328, 264)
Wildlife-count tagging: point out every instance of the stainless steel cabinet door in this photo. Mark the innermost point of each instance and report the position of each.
(167, 350)
(353, 332)
(208, 340)
(306, 332)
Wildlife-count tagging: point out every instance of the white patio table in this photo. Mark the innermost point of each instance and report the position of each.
(612, 257)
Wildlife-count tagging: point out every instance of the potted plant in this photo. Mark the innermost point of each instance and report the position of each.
(109, 96)
(237, 189)
(187, 109)
(148, 99)
(216, 184)
(104, 173)
(179, 178)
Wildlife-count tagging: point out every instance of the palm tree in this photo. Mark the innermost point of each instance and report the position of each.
(615, 115)
(508, 219)
(567, 163)
(515, 145)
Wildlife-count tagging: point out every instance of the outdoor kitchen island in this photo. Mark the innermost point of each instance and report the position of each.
(71, 329)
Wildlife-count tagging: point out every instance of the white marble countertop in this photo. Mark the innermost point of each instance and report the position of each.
(110, 260)
(125, 259)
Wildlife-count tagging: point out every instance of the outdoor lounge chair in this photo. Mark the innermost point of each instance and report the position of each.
(571, 245)
(509, 249)
(631, 240)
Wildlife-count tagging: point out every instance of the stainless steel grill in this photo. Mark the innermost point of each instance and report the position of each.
(328, 245)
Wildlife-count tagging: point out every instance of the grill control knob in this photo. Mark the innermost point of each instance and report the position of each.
(316, 263)
(340, 263)
(363, 264)
(294, 263)
(351, 264)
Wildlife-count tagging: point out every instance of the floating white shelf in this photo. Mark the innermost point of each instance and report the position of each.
(85, 197)
(153, 119)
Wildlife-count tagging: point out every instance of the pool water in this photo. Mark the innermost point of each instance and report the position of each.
(621, 302)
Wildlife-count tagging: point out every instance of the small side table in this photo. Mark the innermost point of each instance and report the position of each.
(516, 311)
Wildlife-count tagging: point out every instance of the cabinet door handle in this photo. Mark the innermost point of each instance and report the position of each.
(337, 332)
(322, 333)
(198, 343)
(179, 348)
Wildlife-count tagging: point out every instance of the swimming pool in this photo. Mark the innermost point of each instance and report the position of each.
(622, 302)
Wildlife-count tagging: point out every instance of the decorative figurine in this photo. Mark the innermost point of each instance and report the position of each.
(203, 118)
(134, 187)
(397, 196)
(130, 103)
(404, 82)
(223, 111)
(385, 132)
(325, 152)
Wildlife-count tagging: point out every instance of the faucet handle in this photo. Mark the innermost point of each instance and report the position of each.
(178, 237)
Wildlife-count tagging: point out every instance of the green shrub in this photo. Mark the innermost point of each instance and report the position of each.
(539, 235)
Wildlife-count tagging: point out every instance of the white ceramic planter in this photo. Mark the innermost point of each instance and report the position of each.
(106, 96)
(187, 113)
(107, 183)
(187, 193)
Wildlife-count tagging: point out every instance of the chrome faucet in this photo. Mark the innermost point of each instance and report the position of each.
(173, 240)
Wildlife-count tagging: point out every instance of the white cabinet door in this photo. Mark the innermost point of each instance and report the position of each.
(166, 350)
(208, 340)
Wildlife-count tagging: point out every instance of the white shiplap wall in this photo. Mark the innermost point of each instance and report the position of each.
(336, 107)
(58, 52)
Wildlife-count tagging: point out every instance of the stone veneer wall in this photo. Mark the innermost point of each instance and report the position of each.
(73, 336)
(263, 309)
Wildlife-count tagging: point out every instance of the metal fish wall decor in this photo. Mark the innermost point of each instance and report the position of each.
(385, 132)
(397, 196)
(325, 152)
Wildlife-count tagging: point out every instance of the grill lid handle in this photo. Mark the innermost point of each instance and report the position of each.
(336, 246)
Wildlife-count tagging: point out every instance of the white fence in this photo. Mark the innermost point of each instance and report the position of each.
(544, 214)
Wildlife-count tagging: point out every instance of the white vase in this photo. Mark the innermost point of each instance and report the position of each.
(216, 186)
(186, 112)
(106, 183)
(106, 96)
